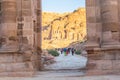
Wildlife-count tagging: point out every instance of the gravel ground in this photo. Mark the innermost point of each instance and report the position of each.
(68, 62)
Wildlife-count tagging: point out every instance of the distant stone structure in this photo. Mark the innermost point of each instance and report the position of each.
(20, 37)
(103, 34)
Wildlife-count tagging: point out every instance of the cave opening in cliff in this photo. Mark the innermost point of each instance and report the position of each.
(63, 26)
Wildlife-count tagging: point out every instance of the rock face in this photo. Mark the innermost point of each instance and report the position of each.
(69, 26)
(103, 41)
(48, 17)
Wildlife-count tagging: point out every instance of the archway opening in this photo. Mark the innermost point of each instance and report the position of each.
(63, 34)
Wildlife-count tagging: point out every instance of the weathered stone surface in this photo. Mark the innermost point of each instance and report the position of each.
(101, 72)
(17, 37)
(116, 64)
(10, 63)
(101, 64)
(12, 12)
(117, 56)
(109, 56)
(103, 59)
(2, 67)
(18, 57)
(6, 58)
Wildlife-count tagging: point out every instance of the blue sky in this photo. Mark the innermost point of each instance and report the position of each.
(61, 6)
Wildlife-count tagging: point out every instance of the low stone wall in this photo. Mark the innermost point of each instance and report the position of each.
(18, 64)
(103, 61)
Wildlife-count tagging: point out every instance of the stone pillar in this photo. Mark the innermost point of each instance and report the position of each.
(8, 29)
(39, 34)
(110, 21)
(18, 18)
(103, 58)
(93, 23)
(24, 11)
(39, 21)
(8, 23)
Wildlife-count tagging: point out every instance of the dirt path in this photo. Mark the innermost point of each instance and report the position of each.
(68, 62)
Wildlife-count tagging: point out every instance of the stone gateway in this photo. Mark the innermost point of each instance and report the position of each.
(20, 37)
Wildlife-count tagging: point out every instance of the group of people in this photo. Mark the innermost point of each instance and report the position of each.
(67, 51)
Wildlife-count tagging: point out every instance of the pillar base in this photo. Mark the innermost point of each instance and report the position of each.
(17, 64)
(105, 60)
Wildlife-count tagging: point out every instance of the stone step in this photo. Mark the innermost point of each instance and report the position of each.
(23, 66)
(60, 73)
(17, 74)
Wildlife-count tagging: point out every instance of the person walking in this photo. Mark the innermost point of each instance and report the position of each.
(65, 51)
(61, 50)
(72, 51)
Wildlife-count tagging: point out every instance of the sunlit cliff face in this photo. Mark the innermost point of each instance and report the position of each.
(59, 30)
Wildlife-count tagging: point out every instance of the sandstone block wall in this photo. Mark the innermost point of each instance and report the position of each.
(17, 64)
(19, 54)
(105, 61)
(94, 24)
(19, 21)
(103, 44)
(103, 22)
(110, 21)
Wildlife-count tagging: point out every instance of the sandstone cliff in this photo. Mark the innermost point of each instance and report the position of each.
(48, 17)
(59, 30)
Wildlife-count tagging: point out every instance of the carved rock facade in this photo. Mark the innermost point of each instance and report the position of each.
(66, 27)
(71, 26)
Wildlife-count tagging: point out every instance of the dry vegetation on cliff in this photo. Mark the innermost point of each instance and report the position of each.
(59, 30)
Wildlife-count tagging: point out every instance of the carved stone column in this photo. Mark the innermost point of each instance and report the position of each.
(93, 23)
(17, 22)
(8, 23)
(103, 59)
(110, 21)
